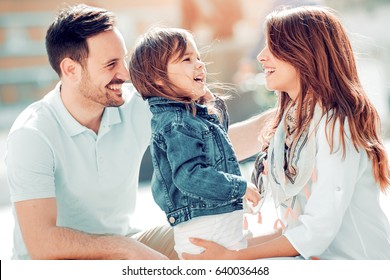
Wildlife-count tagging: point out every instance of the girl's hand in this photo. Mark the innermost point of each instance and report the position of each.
(252, 194)
(212, 251)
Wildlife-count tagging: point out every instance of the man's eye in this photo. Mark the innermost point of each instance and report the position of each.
(111, 65)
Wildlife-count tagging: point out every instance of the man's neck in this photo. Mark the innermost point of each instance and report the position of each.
(82, 110)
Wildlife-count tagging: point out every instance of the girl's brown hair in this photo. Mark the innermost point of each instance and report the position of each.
(149, 60)
(313, 40)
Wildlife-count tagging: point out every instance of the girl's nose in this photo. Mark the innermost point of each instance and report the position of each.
(199, 64)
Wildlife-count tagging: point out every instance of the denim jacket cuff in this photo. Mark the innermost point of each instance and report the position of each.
(239, 188)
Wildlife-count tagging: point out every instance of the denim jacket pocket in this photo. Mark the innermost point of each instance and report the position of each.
(212, 147)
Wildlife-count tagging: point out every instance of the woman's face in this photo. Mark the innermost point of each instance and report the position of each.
(280, 75)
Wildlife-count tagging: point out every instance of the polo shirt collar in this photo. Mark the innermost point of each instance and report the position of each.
(72, 127)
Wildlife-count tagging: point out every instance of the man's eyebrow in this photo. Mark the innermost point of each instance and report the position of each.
(111, 61)
(115, 60)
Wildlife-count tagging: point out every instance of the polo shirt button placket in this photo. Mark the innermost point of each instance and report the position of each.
(100, 161)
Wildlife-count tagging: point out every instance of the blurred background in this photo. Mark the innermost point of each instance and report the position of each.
(228, 32)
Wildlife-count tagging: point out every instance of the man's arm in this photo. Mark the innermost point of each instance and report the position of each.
(245, 135)
(45, 240)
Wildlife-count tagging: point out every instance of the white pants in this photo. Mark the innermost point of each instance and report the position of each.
(225, 229)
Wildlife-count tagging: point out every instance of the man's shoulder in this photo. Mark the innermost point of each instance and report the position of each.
(130, 93)
(37, 115)
(134, 103)
(32, 115)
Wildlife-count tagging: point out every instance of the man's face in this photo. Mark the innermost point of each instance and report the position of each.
(105, 70)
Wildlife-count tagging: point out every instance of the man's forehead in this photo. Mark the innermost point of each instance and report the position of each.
(106, 46)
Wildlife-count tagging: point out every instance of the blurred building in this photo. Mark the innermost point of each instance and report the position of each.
(226, 27)
(225, 30)
(26, 76)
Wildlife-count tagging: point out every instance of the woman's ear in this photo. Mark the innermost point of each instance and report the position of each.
(70, 69)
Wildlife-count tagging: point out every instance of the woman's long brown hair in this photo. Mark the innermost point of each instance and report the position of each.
(313, 40)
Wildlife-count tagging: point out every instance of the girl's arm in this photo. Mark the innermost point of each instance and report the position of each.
(188, 151)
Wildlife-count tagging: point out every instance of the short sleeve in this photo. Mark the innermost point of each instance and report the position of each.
(140, 116)
(30, 166)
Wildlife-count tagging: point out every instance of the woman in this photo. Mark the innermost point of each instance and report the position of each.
(326, 163)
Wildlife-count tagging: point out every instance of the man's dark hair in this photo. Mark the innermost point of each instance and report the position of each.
(67, 35)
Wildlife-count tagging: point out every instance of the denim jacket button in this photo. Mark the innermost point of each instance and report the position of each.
(211, 127)
(172, 220)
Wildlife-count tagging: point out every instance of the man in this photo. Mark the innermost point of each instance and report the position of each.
(73, 158)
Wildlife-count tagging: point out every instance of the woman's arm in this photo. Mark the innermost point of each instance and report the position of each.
(264, 237)
(276, 247)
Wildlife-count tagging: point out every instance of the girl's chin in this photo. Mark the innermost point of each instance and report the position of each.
(200, 93)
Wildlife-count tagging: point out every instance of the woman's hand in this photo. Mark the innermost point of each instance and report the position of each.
(212, 251)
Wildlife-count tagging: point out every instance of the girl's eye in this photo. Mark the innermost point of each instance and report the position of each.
(186, 59)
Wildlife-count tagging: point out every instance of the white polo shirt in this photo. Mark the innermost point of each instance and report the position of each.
(94, 178)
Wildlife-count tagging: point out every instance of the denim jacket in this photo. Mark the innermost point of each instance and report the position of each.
(196, 172)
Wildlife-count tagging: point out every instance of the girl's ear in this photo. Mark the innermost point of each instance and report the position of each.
(159, 82)
(70, 69)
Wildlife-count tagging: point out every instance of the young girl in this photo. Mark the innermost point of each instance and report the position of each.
(326, 164)
(197, 180)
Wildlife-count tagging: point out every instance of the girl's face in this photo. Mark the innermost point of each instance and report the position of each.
(280, 75)
(188, 73)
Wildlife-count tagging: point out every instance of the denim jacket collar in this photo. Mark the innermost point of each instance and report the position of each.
(158, 104)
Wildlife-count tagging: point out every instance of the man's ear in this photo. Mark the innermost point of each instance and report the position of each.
(70, 69)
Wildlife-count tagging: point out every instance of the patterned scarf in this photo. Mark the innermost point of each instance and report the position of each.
(289, 168)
